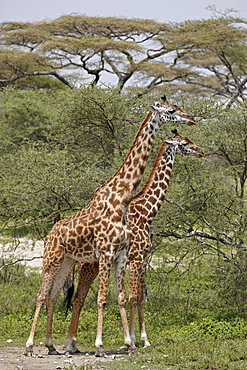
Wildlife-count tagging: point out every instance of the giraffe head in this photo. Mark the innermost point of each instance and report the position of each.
(183, 145)
(169, 113)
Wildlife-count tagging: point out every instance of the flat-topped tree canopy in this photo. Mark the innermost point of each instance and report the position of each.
(199, 57)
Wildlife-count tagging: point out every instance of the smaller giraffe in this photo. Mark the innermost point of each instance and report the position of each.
(142, 209)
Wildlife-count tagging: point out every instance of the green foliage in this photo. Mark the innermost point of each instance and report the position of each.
(222, 329)
(25, 116)
(232, 280)
(12, 275)
(101, 121)
(17, 286)
(56, 149)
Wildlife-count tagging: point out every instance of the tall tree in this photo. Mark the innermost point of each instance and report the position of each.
(200, 57)
(91, 46)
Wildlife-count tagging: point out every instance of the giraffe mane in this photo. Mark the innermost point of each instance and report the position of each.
(149, 115)
(152, 173)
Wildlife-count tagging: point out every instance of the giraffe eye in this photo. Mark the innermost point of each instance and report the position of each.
(185, 144)
(171, 111)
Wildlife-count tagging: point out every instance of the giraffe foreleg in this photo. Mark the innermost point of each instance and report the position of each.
(140, 300)
(87, 273)
(58, 283)
(133, 292)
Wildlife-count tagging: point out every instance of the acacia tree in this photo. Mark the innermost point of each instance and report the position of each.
(217, 48)
(90, 45)
(200, 57)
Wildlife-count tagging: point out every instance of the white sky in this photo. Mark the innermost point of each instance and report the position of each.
(159, 10)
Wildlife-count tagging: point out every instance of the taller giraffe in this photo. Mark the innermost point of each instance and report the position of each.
(142, 209)
(99, 231)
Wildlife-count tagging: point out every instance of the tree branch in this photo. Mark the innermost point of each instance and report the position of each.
(35, 73)
(19, 260)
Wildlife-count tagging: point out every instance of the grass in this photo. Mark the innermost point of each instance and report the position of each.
(188, 325)
(181, 353)
(191, 353)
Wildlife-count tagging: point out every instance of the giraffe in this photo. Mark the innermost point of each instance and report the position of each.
(142, 209)
(99, 231)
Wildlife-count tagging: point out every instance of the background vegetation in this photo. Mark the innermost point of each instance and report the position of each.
(65, 130)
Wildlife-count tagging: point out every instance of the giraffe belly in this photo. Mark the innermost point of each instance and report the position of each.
(82, 254)
(84, 258)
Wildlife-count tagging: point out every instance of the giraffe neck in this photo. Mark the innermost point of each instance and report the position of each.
(149, 199)
(123, 184)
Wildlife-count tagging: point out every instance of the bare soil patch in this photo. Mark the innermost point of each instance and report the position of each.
(13, 358)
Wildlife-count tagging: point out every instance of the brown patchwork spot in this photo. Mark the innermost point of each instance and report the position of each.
(157, 193)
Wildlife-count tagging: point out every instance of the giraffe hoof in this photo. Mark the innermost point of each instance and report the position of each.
(54, 353)
(132, 349)
(100, 352)
(76, 352)
(29, 351)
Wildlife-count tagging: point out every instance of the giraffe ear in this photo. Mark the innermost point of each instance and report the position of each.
(163, 98)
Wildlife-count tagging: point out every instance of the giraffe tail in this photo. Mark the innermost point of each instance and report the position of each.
(69, 288)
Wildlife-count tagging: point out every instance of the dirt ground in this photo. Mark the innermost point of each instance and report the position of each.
(12, 358)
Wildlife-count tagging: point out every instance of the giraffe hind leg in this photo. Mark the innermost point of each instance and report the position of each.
(44, 295)
(59, 281)
(46, 286)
